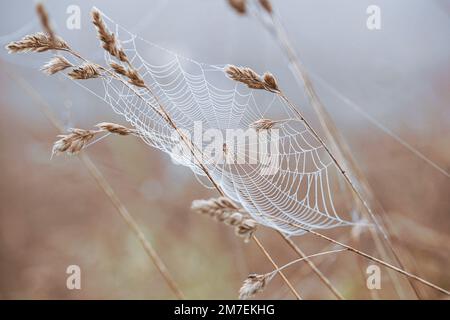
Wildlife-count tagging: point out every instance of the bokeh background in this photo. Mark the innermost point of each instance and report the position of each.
(53, 214)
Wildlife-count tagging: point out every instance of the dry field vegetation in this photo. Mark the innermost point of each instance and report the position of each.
(124, 215)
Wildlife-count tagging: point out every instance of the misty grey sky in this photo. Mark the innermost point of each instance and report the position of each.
(398, 74)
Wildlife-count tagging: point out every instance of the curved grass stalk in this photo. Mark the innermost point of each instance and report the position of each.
(108, 190)
(337, 142)
(367, 256)
(51, 42)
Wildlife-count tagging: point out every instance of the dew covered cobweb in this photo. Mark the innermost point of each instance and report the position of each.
(302, 191)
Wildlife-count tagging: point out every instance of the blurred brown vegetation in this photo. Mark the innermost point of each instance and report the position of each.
(52, 215)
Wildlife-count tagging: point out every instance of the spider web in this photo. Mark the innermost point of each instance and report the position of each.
(300, 192)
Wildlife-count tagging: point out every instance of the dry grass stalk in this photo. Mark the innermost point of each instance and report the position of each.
(38, 42)
(85, 71)
(249, 78)
(56, 64)
(45, 21)
(224, 210)
(254, 284)
(245, 228)
(225, 148)
(73, 142)
(107, 189)
(115, 128)
(263, 124)
(107, 38)
(238, 5)
(119, 69)
(133, 225)
(109, 42)
(252, 79)
(97, 20)
(314, 268)
(358, 194)
(132, 75)
(270, 82)
(365, 255)
(237, 74)
(338, 143)
(267, 5)
(246, 76)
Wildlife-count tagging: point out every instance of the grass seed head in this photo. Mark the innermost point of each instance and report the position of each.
(85, 71)
(238, 5)
(38, 42)
(55, 65)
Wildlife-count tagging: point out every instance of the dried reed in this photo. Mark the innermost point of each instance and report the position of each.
(267, 5)
(74, 141)
(85, 71)
(59, 44)
(132, 75)
(224, 210)
(110, 45)
(256, 283)
(107, 38)
(367, 256)
(56, 64)
(337, 142)
(38, 42)
(252, 79)
(106, 188)
(45, 21)
(263, 124)
(269, 83)
(116, 128)
(247, 80)
(193, 149)
(238, 5)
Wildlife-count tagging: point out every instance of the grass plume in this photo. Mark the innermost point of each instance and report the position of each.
(253, 80)
(85, 71)
(77, 139)
(239, 5)
(132, 75)
(45, 21)
(108, 39)
(224, 210)
(73, 142)
(56, 64)
(256, 283)
(38, 42)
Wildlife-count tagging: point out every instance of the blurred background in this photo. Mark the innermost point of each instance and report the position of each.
(53, 214)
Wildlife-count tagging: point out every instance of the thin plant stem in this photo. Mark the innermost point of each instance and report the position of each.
(193, 149)
(151, 252)
(314, 268)
(338, 144)
(307, 257)
(258, 243)
(349, 181)
(367, 256)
